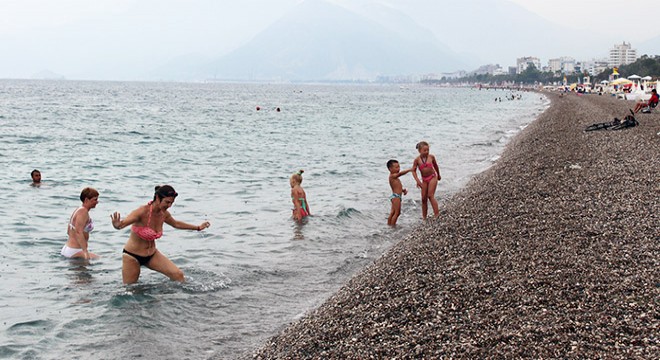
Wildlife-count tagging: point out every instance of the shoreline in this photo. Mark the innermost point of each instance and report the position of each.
(551, 252)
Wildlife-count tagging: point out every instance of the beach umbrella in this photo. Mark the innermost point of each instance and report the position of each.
(604, 82)
(621, 81)
(647, 78)
(634, 77)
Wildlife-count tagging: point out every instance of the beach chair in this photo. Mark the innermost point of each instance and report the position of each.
(649, 109)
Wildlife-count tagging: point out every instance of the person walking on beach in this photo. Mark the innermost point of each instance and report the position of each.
(430, 173)
(298, 196)
(147, 220)
(397, 190)
(80, 225)
(36, 177)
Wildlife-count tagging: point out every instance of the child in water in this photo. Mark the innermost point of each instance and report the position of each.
(397, 190)
(300, 206)
(428, 169)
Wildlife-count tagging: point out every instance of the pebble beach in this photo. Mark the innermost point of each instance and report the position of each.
(553, 252)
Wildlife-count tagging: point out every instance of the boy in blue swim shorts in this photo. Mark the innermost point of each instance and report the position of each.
(397, 190)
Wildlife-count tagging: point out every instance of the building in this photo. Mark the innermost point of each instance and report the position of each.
(622, 54)
(595, 66)
(523, 63)
(562, 65)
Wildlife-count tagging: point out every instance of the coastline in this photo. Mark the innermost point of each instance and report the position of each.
(551, 252)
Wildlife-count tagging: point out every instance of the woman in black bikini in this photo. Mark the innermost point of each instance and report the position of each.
(147, 221)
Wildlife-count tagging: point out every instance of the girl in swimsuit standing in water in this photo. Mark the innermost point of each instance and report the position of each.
(300, 206)
(147, 221)
(80, 225)
(428, 168)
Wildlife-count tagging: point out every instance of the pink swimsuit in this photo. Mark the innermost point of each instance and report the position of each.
(424, 165)
(145, 232)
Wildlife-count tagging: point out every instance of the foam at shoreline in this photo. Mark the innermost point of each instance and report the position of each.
(552, 252)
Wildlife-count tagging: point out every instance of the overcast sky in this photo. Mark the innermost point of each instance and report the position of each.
(54, 34)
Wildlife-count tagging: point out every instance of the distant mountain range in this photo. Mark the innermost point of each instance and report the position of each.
(321, 41)
(362, 40)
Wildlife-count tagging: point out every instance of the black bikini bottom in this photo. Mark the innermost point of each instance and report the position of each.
(143, 260)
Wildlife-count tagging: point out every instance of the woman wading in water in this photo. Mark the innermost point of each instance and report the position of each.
(147, 220)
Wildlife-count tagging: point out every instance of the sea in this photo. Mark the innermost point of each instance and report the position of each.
(229, 153)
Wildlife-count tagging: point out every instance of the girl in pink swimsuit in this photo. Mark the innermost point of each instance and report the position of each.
(430, 173)
(298, 197)
(147, 220)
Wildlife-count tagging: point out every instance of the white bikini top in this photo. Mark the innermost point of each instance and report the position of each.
(88, 227)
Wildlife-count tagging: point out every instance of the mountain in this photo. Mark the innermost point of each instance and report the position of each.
(47, 75)
(321, 41)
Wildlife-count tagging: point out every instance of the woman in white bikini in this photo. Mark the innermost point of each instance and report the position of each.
(147, 221)
(80, 225)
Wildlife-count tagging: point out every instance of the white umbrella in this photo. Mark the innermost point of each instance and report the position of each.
(647, 78)
(634, 77)
(604, 82)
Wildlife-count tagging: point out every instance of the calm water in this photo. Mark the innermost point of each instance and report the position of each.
(254, 270)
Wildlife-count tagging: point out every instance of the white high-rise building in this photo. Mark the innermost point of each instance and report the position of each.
(622, 54)
(524, 62)
(565, 65)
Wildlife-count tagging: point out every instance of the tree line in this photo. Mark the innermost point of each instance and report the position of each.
(645, 65)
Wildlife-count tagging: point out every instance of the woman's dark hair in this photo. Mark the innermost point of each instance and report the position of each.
(88, 193)
(164, 191)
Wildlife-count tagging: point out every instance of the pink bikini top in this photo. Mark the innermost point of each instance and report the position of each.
(425, 164)
(145, 232)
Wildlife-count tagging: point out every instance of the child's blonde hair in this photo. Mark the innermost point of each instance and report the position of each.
(297, 177)
(421, 144)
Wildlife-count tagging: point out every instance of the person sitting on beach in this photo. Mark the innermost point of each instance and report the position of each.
(80, 225)
(397, 190)
(653, 101)
(147, 221)
(428, 169)
(298, 196)
(36, 177)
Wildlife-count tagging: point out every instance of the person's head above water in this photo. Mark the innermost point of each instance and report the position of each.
(296, 178)
(423, 148)
(163, 191)
(36, 176)
(392, 165)
(88, 193)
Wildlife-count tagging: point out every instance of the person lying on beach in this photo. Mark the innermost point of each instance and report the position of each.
(80, 225)
(397, 190)
(653, 101)
(298, 196)
(430, 173)
(147, 220)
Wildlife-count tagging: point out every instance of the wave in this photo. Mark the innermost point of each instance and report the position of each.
(348, 213)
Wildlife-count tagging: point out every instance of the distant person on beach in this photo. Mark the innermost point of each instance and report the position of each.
(36, 177)
(644, 104)
(80, 225)
(430, 173)
(298, 196)
(147, 220)
(397, 190)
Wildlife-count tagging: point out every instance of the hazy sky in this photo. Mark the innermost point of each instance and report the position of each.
(68, 36)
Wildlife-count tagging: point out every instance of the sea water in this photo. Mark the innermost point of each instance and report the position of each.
(254, 270)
